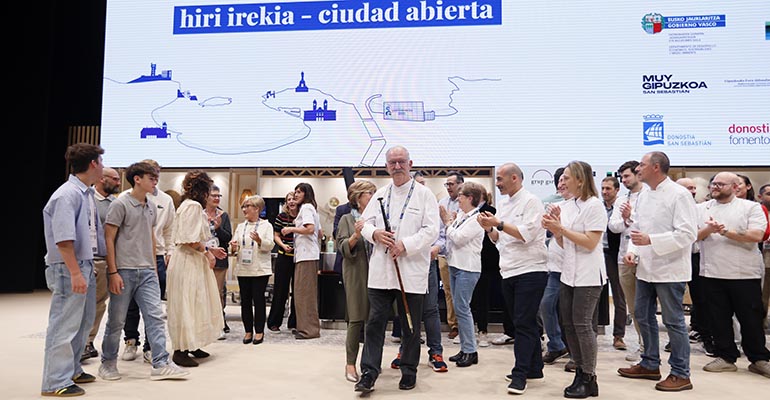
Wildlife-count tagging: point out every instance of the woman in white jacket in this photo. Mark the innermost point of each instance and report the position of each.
(464, 238)
(253, 241)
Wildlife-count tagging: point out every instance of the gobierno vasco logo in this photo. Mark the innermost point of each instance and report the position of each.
(653, 23)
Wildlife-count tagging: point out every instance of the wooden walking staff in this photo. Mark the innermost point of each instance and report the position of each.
(398, 271)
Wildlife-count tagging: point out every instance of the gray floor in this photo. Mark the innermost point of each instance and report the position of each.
(285, 368)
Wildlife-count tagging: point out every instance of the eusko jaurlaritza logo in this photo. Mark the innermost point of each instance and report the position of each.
(653, 23)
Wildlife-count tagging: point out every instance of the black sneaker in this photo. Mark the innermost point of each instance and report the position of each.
(89, 352)
(517, 387)
(84, 377)
(667, 348)
(396, 363)
(551, 356)
(69, 391)
(695, 337)
(365, 384)
(709, 348)
(227, 328)
(407, 382)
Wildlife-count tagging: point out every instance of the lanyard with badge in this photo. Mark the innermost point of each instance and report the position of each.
(247, 253)
(92, 221)
(403, 209)
(457, 225)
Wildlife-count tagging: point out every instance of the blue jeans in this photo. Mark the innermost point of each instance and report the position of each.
(462, 283)
(549, 309)
(671, 295)
(142, 286)
(69, 320)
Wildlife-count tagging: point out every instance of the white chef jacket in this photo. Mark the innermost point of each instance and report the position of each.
(556, 252)
(618, 225)
(725, 258)
(417, 228)
(464, 238)
(582, 267)
(668, 215)
(525, 211)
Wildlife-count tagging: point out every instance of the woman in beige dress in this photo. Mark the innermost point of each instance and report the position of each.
(194, 309)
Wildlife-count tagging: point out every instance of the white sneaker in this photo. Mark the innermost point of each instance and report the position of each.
(168, 371)
(634, 356)
(129, 353)
(456, 340)
(761, 367)
(720, 365)
(147, 356)
(109, 371)
(395, 339)
(483, 340)
(502, 339)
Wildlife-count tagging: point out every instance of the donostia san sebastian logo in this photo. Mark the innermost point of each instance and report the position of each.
(652, 130)
(665, 84)
(653, 23)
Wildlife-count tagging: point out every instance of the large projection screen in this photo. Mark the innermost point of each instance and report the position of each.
(473, 83)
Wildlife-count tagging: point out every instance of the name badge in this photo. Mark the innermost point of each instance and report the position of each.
(246, 256)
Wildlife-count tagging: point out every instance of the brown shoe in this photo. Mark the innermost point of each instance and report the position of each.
(453, 333)
(618, 343)
(673, 383)
(639, 372)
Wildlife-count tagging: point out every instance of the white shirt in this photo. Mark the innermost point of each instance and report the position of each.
(464, 239)
(668, 215)
(725, 258)
(261, 259)
(525, 211)
(418, 229)
(618, 225)
(306, 246)
(556, 252)
(582, 267)
(452, 206)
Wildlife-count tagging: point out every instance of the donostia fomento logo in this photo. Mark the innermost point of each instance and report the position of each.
(653, 23)
(652, 130)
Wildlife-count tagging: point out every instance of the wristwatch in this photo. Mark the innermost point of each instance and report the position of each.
(500, 226)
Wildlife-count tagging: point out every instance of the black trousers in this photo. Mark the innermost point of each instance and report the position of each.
(252, 289)
(380, 310)
(282, 282)
(742, 297)
(523, 294)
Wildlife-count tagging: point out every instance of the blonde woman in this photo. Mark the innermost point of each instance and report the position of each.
(253, 241)
(355, 270)
(578, 230)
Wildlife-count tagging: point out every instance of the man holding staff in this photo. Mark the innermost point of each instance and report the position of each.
(412, 214)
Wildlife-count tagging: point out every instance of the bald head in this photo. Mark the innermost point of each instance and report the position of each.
(689, 184)
(723, 186)
(109, 183)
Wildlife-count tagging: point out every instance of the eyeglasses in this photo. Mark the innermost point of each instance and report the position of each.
(717, 185)
(449, 184)
(216, 195)
(393, 163)
(246, 206)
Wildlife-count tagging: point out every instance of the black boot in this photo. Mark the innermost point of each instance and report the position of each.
(456, 357)
(468, 359)
(575, 380)
(586, 387)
